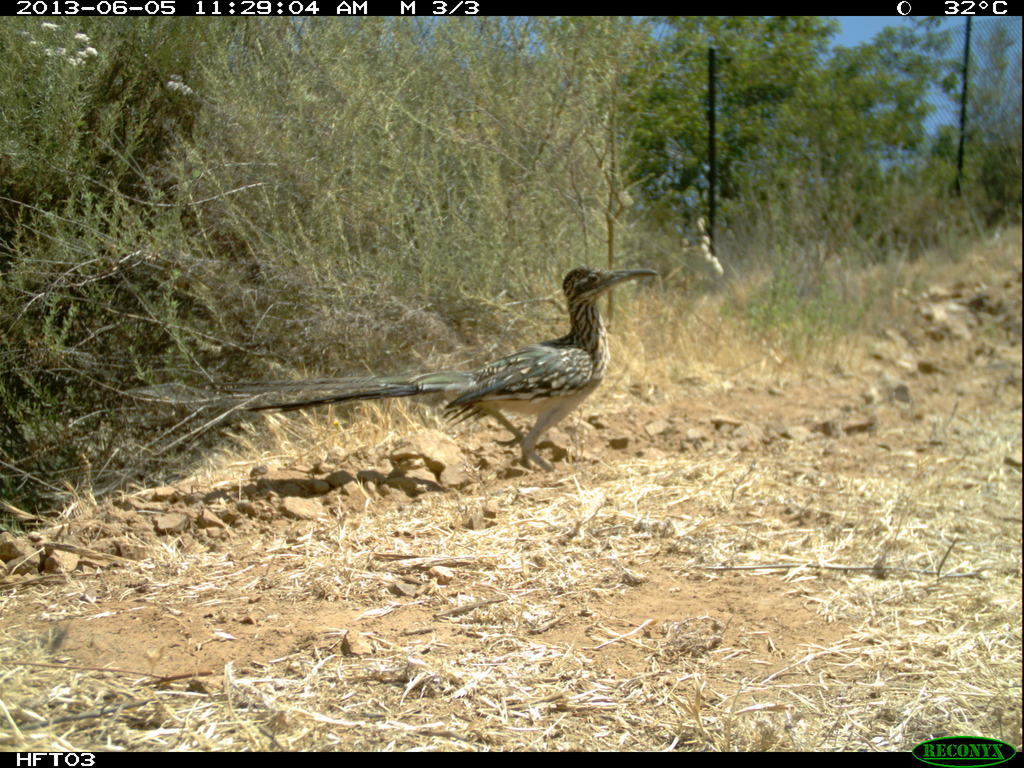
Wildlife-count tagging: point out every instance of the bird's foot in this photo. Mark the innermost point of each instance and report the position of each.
(533, 457)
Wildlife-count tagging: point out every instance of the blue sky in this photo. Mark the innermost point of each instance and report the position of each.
(854, 30)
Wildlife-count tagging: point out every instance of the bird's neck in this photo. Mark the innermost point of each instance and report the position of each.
(587, 332)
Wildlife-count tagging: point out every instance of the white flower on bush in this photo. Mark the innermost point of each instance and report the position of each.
(48, 25)
(81, 37)
(176, 84)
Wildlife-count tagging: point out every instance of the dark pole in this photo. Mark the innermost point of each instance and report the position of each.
(712, 159)
(963, 108)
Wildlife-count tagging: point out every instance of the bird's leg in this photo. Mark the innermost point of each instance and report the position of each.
(518, 436)
(544, 422)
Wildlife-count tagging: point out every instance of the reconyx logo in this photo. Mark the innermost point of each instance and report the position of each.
(963, 751)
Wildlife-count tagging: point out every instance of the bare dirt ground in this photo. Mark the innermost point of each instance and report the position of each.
(825, 561)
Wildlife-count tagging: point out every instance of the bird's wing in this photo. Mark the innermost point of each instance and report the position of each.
(540, 370)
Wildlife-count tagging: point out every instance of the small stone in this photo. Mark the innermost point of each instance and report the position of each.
(208, 519)
(507, 473)
(246, 507)
(131, 550)
(59, 561)
(656, 427)
(163, 493)
(721, 422)
(300, 509)
(355, 644)
(829, 428)
(619, 443)
(476, 521)
(172, 522)
(441, 574)
(749, 432)
(413, 482)
(860, 425)
(797, 433)
(19, 555)
(895, 389)
(404, 589)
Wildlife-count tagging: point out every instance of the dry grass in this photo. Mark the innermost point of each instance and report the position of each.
(861, 593)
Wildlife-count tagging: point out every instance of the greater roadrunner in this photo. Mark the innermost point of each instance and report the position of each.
(547, 379)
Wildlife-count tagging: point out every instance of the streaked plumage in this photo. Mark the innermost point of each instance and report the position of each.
(547, 380)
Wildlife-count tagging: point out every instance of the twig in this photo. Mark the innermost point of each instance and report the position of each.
(740, 482)
(867, 568)
(621, 637)
(158, 678)
(86, 715)
(942, 562)
(461, 609)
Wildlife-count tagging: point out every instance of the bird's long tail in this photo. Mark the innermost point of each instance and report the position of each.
(309, 394)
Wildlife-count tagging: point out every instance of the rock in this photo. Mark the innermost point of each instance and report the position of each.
(947, 320)
(752, 433)
(796, 433)
(355, 644)
(413, 482)
(171, 522)
(11, 547)
(696, 435)
(1013, 459)
(509, 472)
(860, 425)
(59, 561)
(340, 478)
(895, 389)
(163, 493)
(475, 521)
(928, 367)
(725, 423)
(371, 476)
(404, 589)
(619, 443)
(597, 422)
(288, 482)
(557, 452)
(829, 428)
(656, 427)
(438, 452)
(441, 574)
(245, 507)
(871, 396)
(300, 509)
(118, 513)
(19, 555)
(132, 550)
(208, 519)
(907, 363)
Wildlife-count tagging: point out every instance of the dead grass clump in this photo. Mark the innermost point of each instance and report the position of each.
(725, 581)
